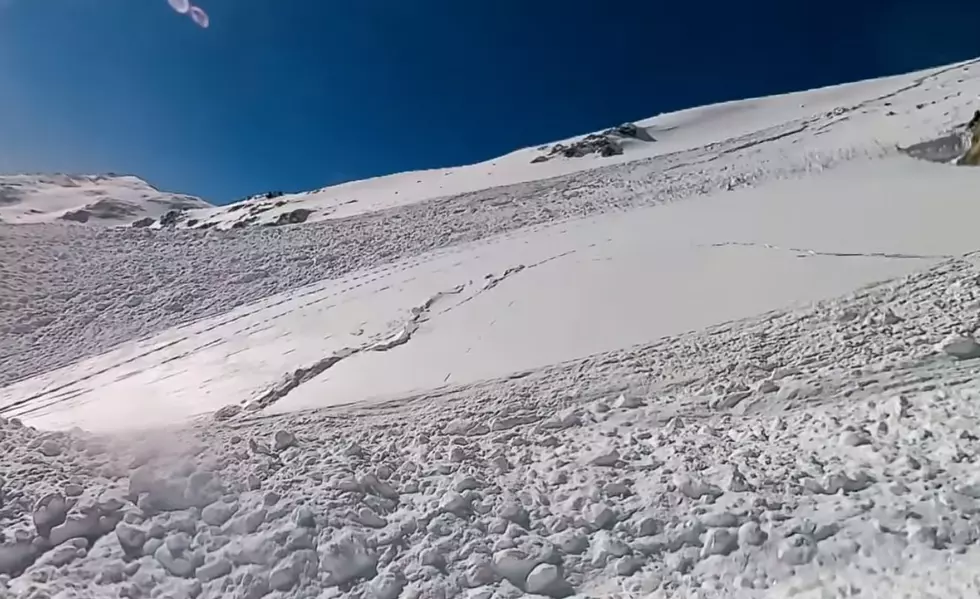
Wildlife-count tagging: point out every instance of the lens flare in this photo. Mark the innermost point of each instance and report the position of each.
(181, 6)
(199, 16)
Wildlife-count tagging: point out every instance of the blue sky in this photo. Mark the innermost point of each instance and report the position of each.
(298, 94)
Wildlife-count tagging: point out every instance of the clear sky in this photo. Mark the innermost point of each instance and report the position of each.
(297, 94)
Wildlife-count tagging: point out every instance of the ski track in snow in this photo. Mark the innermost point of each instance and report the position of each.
(811, 252)
(811, 443)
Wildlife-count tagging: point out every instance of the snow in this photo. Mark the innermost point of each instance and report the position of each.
(737, 361)
(558, 293)
(685, 130)
(106, 199)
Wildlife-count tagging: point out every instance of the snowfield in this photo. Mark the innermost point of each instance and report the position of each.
(734, 356)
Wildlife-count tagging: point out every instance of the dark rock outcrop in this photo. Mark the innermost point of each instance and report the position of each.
(608, 143)
(170, 218)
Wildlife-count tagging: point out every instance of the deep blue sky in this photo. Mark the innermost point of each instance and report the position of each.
(298, 94)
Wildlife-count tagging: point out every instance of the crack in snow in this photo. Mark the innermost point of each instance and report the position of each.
(812, 252)
(291, 381)
(755, 142)
(491, 280)
(298, 377)
(401, 336)
(420, 314)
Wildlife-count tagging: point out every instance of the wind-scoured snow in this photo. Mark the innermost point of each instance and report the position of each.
(735, 356)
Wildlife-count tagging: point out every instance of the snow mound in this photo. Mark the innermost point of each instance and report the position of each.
(94, 199)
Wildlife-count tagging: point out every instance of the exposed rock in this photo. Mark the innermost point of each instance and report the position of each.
(572, 542)
(170, 218)
(616, 489)
(607, 459)
(303, 516)
(854, 438)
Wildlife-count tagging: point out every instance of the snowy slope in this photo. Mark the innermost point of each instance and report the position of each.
(694, 129)
(530, 299)
(93, 199)
(133, 290)
(737, 361)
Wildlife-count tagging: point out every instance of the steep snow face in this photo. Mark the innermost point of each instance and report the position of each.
(91, 199)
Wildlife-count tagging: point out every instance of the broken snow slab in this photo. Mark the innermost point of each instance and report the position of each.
(944, 150)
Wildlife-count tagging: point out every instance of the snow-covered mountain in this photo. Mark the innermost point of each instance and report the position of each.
(724, 352)
(722, 127)
(92, 199)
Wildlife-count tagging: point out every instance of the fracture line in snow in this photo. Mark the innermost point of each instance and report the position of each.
(767, 139)
(419, 315)
(403, 335)
(811, 252)
(491, 280)
(298, 377)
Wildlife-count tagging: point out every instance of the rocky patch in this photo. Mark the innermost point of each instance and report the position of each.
(607, 143)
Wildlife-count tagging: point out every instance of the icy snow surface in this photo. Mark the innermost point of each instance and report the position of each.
(735, 361)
